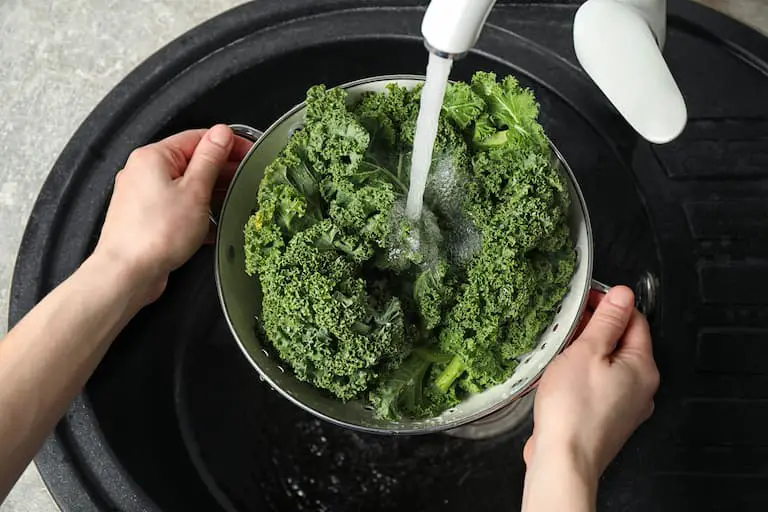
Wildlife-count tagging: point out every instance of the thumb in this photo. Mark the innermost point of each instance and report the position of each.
(609, 321)
(209, 157)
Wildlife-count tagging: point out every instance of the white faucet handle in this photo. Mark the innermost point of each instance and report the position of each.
(655, 14)
(619, 51)
(451, 27)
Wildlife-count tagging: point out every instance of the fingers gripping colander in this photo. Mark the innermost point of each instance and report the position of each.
(241, 295)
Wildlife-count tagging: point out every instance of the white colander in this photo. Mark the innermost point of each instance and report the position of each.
(241, 295)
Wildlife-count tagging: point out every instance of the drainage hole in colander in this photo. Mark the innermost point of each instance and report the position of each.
(554, 327)
(295, 128)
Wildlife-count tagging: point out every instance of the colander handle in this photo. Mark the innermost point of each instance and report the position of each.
(248, 133)
(646, 290)
(600, 287)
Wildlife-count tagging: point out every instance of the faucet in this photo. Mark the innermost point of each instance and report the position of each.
(617, 42)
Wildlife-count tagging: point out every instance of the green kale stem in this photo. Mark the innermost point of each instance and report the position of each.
(387, 172)
(452, 372)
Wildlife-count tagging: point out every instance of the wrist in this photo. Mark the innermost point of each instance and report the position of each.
(137, 281)
(566, 457)
(575, 479)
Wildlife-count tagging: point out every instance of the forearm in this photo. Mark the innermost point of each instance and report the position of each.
(556, 480)
(47, 358)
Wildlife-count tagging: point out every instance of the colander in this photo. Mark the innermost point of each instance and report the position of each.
(240, 294)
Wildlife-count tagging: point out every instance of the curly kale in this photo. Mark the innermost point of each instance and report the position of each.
(433, 292)
(409, 390)
(518, 198)
(319, 316)
(321, 215)
(462, 105)
(364, 304)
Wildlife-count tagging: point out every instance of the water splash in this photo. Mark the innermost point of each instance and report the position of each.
(445, 194)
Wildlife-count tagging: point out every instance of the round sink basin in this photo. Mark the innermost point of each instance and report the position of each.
(175, 419)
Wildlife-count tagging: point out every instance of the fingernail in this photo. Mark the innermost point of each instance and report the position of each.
(220, 135)
(621, 297)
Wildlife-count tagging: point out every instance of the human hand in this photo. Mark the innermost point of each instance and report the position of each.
(595, 394)
(158, 214)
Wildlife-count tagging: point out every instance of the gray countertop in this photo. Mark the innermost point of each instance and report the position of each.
(58, 60)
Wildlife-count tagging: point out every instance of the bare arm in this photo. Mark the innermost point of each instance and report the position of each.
(589, 402)
(50, 354)
(156, 220)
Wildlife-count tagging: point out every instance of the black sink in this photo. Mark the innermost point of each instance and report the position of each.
(175, 418)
